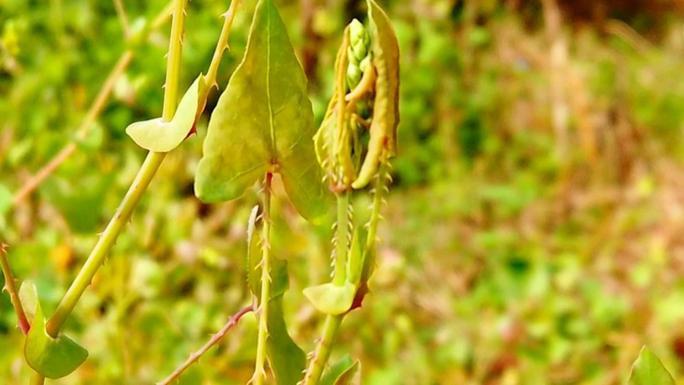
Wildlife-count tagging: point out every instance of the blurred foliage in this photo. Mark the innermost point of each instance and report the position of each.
(505, 259)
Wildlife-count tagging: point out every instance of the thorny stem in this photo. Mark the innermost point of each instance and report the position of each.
(146, 172)
(262, 338)
(138, 187)
(342, 237)
(222, 43)
(380, 187)
(11, 288)
(234, 319)
(323, 349)
(332, 322)
(88, 121)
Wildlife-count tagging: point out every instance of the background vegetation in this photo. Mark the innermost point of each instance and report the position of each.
(533, 234)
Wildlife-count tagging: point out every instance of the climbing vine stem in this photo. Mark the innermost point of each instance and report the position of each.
(332, 322)
(262, 338)
(11, 289)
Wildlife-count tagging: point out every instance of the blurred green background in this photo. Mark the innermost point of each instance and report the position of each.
(533, 233)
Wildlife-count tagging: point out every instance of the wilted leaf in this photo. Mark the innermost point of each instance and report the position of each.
(649, 370)
(331, 299)
(385, 48)
(51, 357)
(341, 373)
(263, 122)
(160, 136)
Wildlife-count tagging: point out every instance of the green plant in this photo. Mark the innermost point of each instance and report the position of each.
(261, 128)
(649, 370)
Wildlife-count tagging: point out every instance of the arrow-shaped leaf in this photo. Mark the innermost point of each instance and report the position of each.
(51, 357)
(263, 122)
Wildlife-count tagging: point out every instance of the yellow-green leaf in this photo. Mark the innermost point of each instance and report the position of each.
(331, 299)
(160, 136)
(383, 138)
(51, 357)
(649, 370)
(263, 122)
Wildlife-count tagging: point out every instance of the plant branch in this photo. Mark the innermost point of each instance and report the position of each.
(222, 43)
(88, 121)
(342, 237)
(135, 192)
(123, 18)
(323, 349)
(380, 188)
(173, 61)
(262, 338)
(11, 288)
(216, 338)
(332, 322)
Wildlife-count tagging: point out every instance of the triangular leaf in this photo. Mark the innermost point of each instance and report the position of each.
(263, 121)
(649, 370)
(331, 299)
(341, 373)
(160, 136)
(51, 357)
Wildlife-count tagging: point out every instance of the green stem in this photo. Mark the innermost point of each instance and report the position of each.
(262, 338)
(323, 349)
(137, 188)
(222, 43)
(342, 238)
(332, 322)
(11, 288)
(380, 186)
(173, 63)
(105, 242)
(132, 197)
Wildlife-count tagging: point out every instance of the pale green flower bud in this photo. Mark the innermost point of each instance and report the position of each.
(358, 39)
(354, 75)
